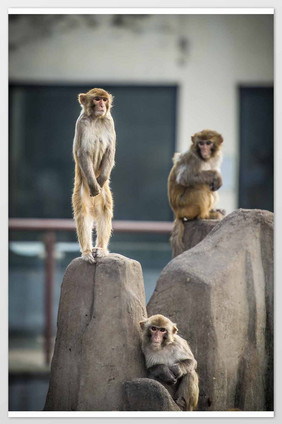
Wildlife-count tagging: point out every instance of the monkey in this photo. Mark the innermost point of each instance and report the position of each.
(193, 183)
(94, 156)
(170, 360)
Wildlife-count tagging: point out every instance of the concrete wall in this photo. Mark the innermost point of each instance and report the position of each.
(206, 56)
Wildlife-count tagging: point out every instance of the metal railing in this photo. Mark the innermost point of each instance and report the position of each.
(49, 227)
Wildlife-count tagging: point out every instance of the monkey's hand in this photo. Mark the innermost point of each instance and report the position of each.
(175, 369)
(162, 373)
(94, 190)
(217, 182)
(101, 180)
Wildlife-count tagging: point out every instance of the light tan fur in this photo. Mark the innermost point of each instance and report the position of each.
(193, 183)
(93, 152)
(173, 357)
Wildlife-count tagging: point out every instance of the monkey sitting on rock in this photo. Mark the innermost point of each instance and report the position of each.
(193, 182)
(169, 360)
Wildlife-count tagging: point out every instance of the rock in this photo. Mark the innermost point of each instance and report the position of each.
(220, 294)
(194, 232)
(97, 346)
(145, 394)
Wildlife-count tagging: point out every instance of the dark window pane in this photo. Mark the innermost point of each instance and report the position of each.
(256, 148)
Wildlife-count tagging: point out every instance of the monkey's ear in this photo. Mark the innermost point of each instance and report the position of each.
(193, 138)
(111, 100)
(82, 98)
(142, 324)
(174, 329)
(220, 139)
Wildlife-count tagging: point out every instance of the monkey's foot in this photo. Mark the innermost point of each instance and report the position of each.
(88, 257)
(99, 252)
(222, 211)
(216, 214)
(180, 401)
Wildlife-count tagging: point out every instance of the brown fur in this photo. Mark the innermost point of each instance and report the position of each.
(93, 152)
(172, 363)
(193, 183)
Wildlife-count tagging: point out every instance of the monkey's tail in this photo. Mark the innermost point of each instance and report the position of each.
(176, 238)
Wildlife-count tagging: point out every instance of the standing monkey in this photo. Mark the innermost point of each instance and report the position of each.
(94, 153)
(193, 182)
(169, 360)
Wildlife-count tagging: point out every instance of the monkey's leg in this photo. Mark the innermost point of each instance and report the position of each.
(189, 212)
(84, 226)
(84, 221)
(187, 394)
(195, 203)
(215, 213)
(206, 200)
(214, 199)
(103, 216)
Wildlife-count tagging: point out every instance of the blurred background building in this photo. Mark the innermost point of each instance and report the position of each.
(171, 76)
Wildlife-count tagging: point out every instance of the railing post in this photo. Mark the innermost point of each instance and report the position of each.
(49, 241)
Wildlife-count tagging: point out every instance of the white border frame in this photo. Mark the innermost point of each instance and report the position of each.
(148, 10)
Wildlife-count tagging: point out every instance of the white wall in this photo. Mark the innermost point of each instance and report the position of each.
(217, 54)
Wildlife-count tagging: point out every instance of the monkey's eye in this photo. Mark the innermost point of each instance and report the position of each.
(154, 328)
(162, 330)
(100, 98)
(202, 143)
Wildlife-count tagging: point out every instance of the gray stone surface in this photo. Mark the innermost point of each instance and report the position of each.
(194, 232)
(144, 394)
(220, 293)
(97, 345)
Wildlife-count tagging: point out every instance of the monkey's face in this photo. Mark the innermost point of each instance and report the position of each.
(205, 148)
(100, 105)
(97, 102)
(206, 144)
(157, 335)
(157, 331)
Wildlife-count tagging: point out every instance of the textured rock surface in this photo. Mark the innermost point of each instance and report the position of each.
(220, 293)
(144, 394)
(97, 345)
(196, 230)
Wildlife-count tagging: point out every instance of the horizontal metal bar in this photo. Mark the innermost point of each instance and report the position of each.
(28, 224)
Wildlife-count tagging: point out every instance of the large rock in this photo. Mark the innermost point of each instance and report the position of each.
(194, 232)
(220, 293)
(145, 394)
(97, 345)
